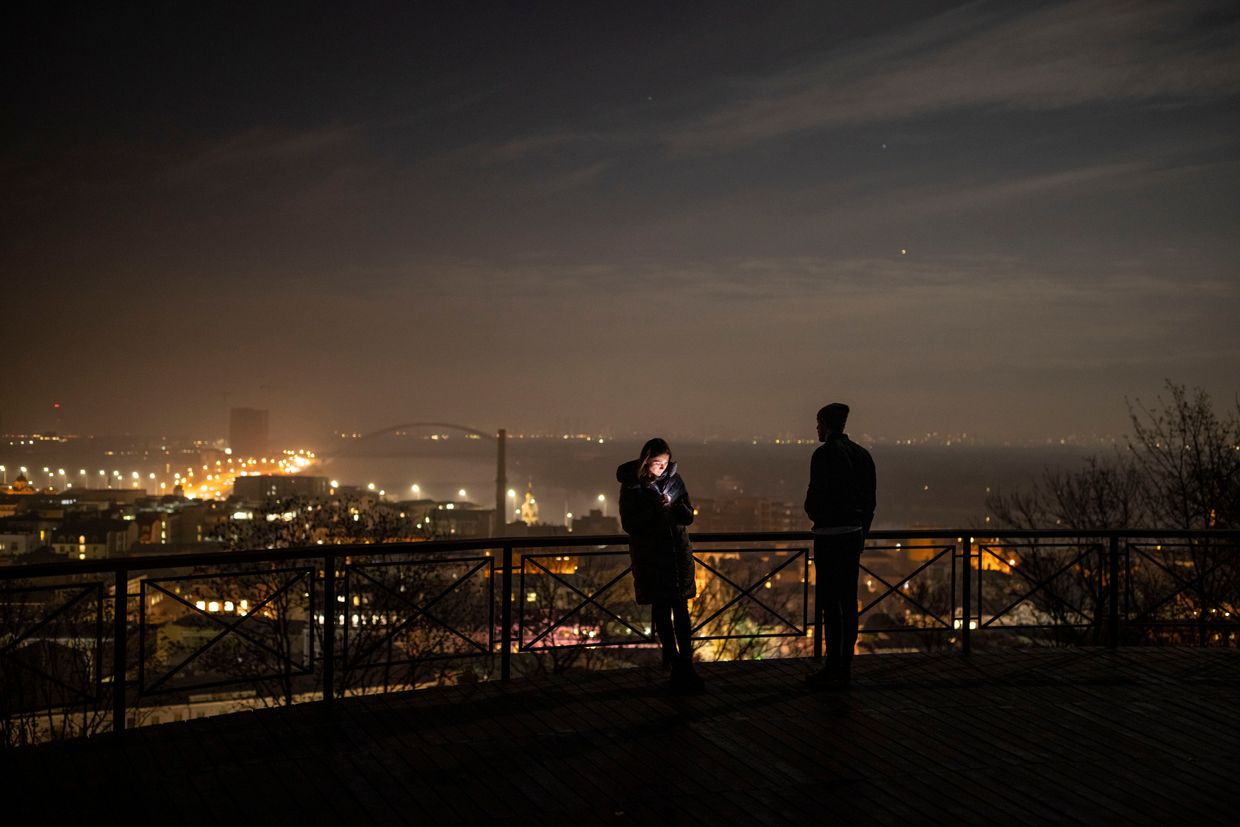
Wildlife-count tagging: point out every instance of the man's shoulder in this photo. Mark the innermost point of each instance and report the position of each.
(822, 453)
(854, 447)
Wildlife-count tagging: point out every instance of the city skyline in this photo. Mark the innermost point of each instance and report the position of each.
(958, 218)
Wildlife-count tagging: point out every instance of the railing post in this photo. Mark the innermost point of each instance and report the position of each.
(966, 587)
(505, 617)
(120, 639)
(817, 609)
(329, 628)
(1113, 593)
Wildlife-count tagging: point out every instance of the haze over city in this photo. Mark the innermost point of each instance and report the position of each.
(979, 218)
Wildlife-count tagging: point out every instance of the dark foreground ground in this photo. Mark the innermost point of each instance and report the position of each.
(1134, 736)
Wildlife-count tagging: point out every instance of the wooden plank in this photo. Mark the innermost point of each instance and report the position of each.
(1132, 735)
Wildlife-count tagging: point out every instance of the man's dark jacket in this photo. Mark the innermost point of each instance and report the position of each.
(658, 542)
(842, 484)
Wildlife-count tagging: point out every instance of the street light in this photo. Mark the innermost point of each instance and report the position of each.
(461, 494)
(602, 502)
(416, 489)
(5, 472)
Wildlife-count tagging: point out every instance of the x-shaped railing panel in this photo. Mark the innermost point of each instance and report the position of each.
(1185, 585)
(895, 588)
(747, 592)
(1039, 585)
(298, 575)
(8, 653)
(420, 610)
(587, 599)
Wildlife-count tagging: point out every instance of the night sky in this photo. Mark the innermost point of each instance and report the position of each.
(996, 218)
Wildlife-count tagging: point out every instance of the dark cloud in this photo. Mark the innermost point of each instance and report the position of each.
(1054, 57)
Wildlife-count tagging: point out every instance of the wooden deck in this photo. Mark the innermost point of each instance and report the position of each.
(1149, 736)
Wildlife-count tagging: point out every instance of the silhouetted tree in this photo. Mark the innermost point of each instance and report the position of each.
(48, 662)
(1179, 469)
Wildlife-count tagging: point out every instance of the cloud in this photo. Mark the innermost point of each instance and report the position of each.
(1062, 55)
(524, 147)
(263, 147)
(918, 201)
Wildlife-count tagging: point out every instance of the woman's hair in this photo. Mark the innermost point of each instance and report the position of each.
(653, 448)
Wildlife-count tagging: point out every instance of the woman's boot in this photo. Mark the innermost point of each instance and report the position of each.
(685, 680)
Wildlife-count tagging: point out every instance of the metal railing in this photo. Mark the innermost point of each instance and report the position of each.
(331, 620)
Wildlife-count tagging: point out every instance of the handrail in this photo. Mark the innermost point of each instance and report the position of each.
(169, 561)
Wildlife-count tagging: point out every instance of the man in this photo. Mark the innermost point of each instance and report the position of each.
(840, 501)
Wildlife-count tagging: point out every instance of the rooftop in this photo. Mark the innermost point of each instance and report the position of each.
(1131, 735)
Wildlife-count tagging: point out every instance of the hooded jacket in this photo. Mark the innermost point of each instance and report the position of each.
(654, 515)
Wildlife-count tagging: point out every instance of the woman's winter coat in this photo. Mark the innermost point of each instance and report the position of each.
(654, 515)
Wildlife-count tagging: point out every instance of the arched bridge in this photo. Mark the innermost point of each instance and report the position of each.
(501, 475)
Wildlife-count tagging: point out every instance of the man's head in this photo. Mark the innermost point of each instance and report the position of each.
(831, 420)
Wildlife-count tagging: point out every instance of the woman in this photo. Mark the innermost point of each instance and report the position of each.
(654, 510)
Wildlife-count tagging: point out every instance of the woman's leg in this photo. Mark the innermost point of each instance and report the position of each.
(684, 629)
(684, 678)
(661, 612)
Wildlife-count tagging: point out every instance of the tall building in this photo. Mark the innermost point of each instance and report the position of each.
(596, 523)
(247, 432)
(529, 508)
(263, 488)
